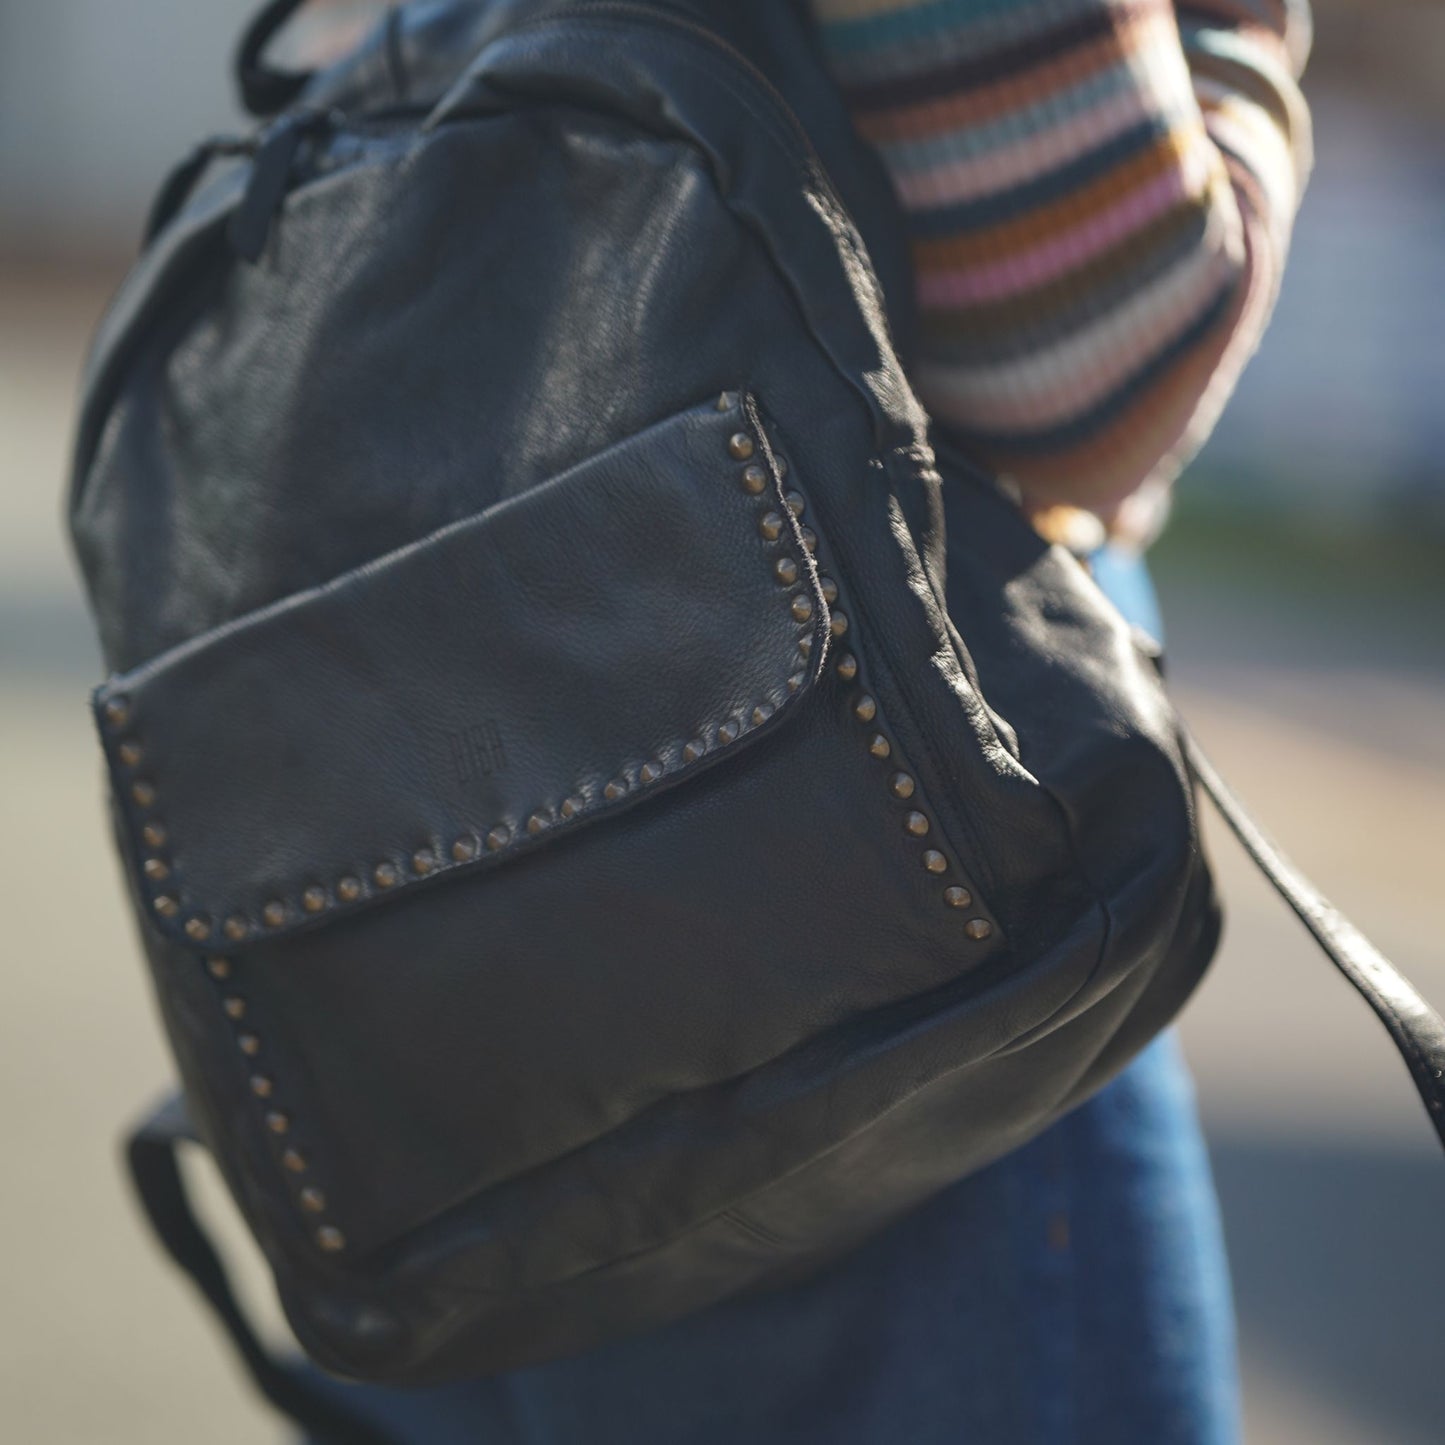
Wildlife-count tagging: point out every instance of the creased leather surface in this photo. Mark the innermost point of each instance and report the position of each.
(713, 1038)
(564, 654)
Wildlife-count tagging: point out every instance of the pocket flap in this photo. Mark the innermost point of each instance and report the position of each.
(506, 680)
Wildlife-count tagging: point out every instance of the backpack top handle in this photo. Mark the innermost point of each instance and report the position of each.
(265, 90)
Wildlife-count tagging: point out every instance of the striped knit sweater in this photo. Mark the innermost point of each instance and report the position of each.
(1100, 194)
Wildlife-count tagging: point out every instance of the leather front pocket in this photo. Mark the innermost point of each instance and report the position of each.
(503, 683)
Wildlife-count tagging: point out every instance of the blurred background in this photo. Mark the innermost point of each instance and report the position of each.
(1304, 584)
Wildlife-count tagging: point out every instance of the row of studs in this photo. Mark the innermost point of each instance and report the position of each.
(349, 889)
(153, 833)
(315, 900)
(903, 787)
(901, 784)
(311, 1199)
(772, 527)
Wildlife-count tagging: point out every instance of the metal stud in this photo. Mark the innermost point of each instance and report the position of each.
(571, 807)
(538, 823)
(154, 835)
(805, 647)
(313, 900)
(277, 1122)
(166, 906)
(935, 862)
(901, 785)
(786, 571)
(958, 897)
(218, 968)
(464, 850)
(771, 526)
(761, 714)
(727, 733)
(273, 915)
(198, 928)
(650, 772)
(782, 464)
(117, 712)
(727, 401)
(616, 789)
(249, 1045)
(978, 929)
(810, 540)
(847, 667)
(498, 838)
(157, 869)
(830, 590)
(755, 480)
(313, 1201)
(838, 624)
(235, 928)
(795, 503)
(294, 1161)
(261, 1086)
(865, 709)
(879, 746)
(423, 861)
(694, 750)
(796, 681)
(740, 445)
(917, 824)
(348, 890)
(143, 792)
(386, 875)
(802, 607)
(331, 1239)
(235, 1007)
(130, 753)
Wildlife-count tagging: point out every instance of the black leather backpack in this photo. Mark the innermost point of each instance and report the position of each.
(615, 816)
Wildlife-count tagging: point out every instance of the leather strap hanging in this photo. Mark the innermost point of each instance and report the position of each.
(1417, 1030)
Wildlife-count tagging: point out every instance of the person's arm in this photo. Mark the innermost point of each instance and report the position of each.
(1100, 194)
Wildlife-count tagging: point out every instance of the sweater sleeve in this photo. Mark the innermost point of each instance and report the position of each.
(1100, 195)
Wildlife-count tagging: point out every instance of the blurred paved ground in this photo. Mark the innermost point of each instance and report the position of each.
(1330, 716)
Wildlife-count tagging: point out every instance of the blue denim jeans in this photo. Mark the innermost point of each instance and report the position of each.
(1074, 1293)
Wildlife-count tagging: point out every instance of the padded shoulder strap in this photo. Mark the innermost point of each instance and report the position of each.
(1418, 1031)
(153, 1155)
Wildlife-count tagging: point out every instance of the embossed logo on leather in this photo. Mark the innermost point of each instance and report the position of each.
(476, 751)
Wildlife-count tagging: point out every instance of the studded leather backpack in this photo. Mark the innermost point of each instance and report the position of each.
(616, 813)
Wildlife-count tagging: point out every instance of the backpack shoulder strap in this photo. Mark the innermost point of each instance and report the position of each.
(153, 1152)
(1417, 1030)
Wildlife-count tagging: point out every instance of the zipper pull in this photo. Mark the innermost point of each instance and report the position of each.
(270, 176)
